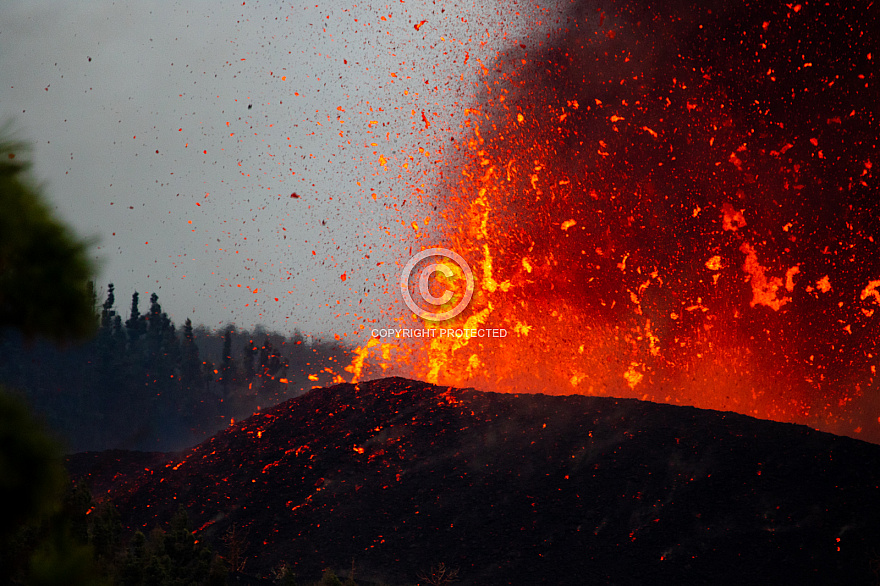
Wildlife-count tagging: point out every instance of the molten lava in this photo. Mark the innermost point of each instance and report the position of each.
(677, 211)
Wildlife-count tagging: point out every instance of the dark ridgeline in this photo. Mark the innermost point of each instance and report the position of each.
(140, 383)
(397, 476)
(652, 125)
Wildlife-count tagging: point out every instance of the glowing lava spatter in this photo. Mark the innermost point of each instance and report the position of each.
(641, 228)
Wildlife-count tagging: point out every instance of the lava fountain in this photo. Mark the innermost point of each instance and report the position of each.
(675, 204)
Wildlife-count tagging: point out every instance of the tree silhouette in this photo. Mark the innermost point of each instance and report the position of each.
(248, 371)
(44, 271)
(45, 290)
(191, 367)
(272, 365)
(107, 311)
(227, 368)
(135, 323)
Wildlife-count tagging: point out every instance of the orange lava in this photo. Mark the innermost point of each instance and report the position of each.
(625, 260)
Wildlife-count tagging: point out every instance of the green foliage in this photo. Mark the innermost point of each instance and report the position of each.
(106, 533)
(132, 568)
(31, 479)
(135, 322)
(43, 533)
(77, 503)
(330, 579)
(285, 576)
(62, 560)
(172, 558)
(190, 367)
(143, 384)
(45, 290)
(31, 476)
(138, 384)
(44, 269)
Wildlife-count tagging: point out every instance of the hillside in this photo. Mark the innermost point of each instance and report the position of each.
(398, 475)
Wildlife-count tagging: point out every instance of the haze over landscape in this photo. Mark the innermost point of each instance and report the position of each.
(174, 134)
(422, 292)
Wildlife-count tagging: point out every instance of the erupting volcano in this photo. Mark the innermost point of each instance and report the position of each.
(393, 476)
(606, 300)
(670, 202)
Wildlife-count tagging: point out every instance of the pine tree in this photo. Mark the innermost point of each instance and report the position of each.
(248, 371)
(135, 561)
(190, 371)
(106, 343)
(139, 398)
(76, 504)
(227, 368)
(106, 531)
(171, 350)
(162, 356)
(285, 576)
(134, 318)
(107, 312)
(329, 578)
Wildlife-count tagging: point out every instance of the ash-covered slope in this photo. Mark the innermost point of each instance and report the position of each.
(525, 489)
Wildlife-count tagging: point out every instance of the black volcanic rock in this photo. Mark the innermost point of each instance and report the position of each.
(107, 468)
(523, 489)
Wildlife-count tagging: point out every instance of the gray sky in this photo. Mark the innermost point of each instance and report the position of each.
(174, 133)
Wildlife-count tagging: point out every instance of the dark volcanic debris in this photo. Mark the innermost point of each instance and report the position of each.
(519, 489)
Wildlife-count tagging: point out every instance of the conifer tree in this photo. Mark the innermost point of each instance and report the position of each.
(248, 370)
(107, 312)
(134, 322)
(190, 371)
(227, 369)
